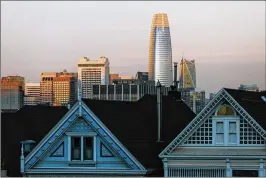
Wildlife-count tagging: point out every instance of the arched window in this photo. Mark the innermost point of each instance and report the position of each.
(225, 110)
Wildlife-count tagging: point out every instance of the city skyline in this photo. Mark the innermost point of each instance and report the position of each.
(220, 36)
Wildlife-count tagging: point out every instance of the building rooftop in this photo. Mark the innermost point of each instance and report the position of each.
(133, 123)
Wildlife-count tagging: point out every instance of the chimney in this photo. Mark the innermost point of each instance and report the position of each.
(175, 74)
(159, 111)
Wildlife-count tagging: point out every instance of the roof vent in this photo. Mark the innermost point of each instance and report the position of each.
(263, 98)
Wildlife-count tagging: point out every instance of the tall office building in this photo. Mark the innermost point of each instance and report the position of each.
(46, 85)
(160, 51)
(197, 101)
(55, 86)
(32, 94)
(12, 91)
(65, 89)
(92, 73)
(187, 74)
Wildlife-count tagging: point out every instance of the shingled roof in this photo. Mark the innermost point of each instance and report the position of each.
(133, 123)
(252, 102)
(29, 123)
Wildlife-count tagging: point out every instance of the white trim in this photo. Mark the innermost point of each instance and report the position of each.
(94, 149)
(69, 148)
(51, 132)
(201, 117)
(184, 133)
(81, 148)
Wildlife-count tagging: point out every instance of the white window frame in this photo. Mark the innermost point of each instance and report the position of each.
(82, 135)
(226, 120)
(215, 133)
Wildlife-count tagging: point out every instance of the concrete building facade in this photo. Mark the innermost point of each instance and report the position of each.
(12, 91)
(32, 94)
(92, 72)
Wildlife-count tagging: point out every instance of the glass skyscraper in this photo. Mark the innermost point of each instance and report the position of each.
(187, 74)
(160, 51)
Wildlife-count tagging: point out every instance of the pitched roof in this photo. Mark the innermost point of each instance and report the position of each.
(29, 123)
(252, 102)
(135, 125)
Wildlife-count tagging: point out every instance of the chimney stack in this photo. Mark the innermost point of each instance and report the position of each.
(159, 111)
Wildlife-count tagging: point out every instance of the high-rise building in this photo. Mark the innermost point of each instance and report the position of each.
(197, 101)
(142, 76)
(252, 87)
(65, 89)
(187, 74)
(195, 98)
(58, 88)
(92, 73)
(12, 91)
(112, 77)
(160, 51)
(32, 94)
(46, 85)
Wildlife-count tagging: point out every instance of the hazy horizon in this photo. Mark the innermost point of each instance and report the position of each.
(226, 39)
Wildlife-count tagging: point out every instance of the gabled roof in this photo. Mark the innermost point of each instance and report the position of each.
(29, 123)
(252, 102)
(247, 104)
(133, 123)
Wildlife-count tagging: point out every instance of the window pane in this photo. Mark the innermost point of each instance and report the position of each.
(232, 138)
(88, 148)
(232, 127)
(75, 148)
(219, 127)
(219, 138)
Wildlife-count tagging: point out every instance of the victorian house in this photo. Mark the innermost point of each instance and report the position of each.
(226, 139)
(155, 136)
(93, 138)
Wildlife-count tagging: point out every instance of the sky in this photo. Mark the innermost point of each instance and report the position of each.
(226, 38)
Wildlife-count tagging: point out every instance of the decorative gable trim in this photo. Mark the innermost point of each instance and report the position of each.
(104, 151)
(80, 109)
(59, 151)
(109, 138)
(245, 115)
(52, 135)
(201, 117)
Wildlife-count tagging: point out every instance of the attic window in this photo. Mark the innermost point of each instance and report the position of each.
(225, 110)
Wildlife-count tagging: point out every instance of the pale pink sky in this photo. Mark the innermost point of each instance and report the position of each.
(227, 39)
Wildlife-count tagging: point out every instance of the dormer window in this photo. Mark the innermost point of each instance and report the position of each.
(226, 127)
(81, 148)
